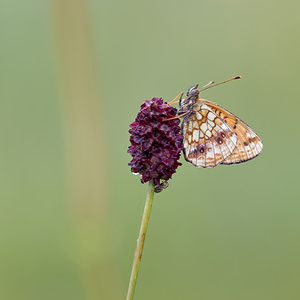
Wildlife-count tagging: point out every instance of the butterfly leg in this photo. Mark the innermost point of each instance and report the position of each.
(177, 117)
(174, 100)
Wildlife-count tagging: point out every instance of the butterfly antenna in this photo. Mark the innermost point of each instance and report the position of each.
(206, 86)
(210, 84)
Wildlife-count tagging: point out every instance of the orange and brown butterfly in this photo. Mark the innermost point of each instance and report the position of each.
(211, 134)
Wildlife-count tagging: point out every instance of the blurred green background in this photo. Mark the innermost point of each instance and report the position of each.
(73, 75)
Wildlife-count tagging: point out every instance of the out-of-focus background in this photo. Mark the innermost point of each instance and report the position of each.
(73, 75)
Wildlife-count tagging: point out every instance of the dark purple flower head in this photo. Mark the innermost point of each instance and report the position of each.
(155, 143)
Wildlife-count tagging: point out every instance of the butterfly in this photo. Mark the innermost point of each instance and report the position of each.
(212, 135)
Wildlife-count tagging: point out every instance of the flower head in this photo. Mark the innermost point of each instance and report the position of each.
(155, 143)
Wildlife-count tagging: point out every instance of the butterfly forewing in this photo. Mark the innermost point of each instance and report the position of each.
(208, 140)
(249, 144)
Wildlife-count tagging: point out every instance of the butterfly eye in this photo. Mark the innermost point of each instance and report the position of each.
(194, 93)
(193, 90)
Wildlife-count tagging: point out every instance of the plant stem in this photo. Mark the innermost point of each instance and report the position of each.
(140, 241)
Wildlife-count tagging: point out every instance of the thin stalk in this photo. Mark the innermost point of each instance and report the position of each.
(140, 241)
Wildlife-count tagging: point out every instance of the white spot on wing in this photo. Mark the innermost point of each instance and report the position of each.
(211, 123)
(211, 116)
(196, 124)
(198, 116)
(224, 127)
(196, 135)
(204, 106)
(185, 143)
(203, 127)
(208, 133)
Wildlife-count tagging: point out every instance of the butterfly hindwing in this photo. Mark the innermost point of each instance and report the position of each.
(249, 144)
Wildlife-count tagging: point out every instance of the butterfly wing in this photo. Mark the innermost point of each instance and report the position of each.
(208, 140)
(249, 144)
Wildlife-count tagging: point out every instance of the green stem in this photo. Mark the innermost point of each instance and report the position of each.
(140, 241)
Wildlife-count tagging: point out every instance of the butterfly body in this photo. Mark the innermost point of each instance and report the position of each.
(213, 135)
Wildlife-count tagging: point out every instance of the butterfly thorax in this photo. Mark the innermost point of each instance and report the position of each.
(187, 104)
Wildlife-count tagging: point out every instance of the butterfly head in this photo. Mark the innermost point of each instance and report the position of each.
(191, 98)
(193, 91)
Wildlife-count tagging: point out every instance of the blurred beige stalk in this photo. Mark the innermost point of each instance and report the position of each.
(85, 150)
